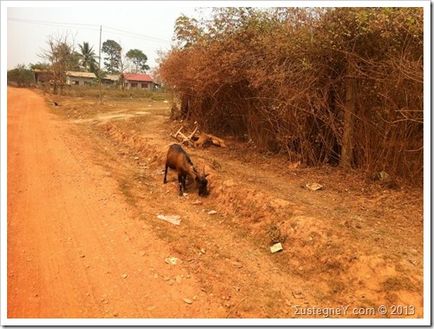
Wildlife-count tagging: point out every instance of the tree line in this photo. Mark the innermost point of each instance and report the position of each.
(61, 56)
(339, 86)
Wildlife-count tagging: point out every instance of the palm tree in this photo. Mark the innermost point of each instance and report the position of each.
(87, 57)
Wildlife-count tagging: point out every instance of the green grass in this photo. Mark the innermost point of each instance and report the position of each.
(113, 92)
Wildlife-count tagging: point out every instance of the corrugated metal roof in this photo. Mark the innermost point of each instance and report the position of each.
(137, 77)
(80, 74)
(113, 77)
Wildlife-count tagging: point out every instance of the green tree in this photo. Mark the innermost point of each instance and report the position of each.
(87, 57)
(40, 66)
(138, 58)
(21, 76)
(187, 31)
(113, 59)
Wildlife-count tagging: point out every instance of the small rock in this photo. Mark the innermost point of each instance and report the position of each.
(124, 276)
(237, 264)
(82, 256)
(276, 247)
(197, 202)
(298, 294)
(314, 186)
(212, 212)
(188, 301)
(202, 251)
(171, 260)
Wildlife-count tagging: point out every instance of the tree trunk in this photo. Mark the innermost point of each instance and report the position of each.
(349, 111)
(185, 107)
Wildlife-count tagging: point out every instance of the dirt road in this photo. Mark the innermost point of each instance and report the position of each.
(84, 240)
(74, 247)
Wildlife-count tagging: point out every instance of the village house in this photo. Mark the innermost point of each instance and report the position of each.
(138, 80)
(110, 79)
(42, 76)
(74, 78)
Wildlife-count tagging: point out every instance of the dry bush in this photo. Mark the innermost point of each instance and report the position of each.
(340, 86)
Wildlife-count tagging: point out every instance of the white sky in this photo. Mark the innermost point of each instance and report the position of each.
(153, 21)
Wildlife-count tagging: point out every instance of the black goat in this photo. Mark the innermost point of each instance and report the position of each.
(179, 160)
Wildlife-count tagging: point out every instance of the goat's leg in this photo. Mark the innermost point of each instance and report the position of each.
(184, 177)
(181, 192)
(165, 175)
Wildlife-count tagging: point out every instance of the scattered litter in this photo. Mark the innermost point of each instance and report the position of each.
(197, 202)
(212, 212)
(202, 251)
(136, 158)
(174, 219)
(314, 186)
(188, 301)
(124, 276)
(171, 260)
(276, 247)
(184, 194)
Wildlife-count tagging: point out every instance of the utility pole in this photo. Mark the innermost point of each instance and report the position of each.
(99, 64)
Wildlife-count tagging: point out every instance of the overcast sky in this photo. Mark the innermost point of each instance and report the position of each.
(148, 27)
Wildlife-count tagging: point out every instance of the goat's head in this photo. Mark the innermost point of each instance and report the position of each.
(202, 183)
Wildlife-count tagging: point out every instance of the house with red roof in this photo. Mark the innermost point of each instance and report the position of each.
(138, 80)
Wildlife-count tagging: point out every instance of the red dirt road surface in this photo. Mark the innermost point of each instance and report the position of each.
(72, 250)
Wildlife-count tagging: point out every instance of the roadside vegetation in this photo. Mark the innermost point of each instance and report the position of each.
(337, 86)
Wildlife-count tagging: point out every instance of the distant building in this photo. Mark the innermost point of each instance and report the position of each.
(74, 78)
(110, 79)
(138, 80)
(42, 76)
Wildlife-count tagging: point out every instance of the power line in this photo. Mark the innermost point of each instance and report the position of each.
(56, 24)
(93, 27)
(135, 33)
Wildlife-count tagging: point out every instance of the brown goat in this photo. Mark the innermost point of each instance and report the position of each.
(179, 160)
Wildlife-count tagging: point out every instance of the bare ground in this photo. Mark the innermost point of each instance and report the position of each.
(85, 187)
